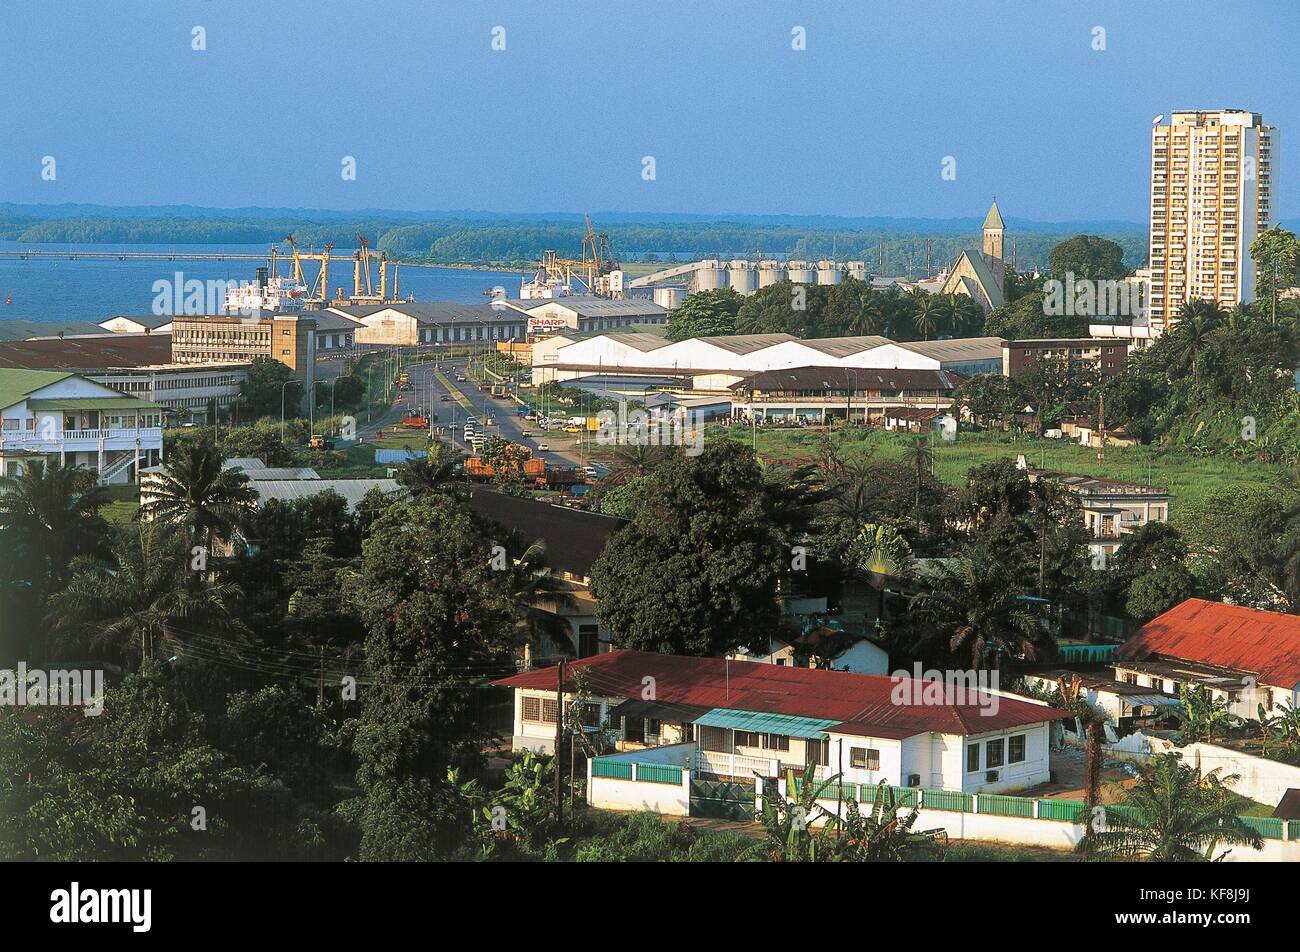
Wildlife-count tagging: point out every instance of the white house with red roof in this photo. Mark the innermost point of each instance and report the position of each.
(1243, 655)
(728, 719)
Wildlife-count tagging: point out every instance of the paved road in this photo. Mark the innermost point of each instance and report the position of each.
(509, 425)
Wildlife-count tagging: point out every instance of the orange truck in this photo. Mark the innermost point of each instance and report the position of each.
(413, 421)
(477, 468)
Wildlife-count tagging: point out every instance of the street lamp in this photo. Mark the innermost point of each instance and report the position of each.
(282, 386)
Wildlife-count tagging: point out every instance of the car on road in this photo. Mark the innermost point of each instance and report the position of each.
(492, 421)
(444, 398)
(543, 447)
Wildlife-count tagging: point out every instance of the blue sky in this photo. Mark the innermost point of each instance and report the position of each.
(737, 121)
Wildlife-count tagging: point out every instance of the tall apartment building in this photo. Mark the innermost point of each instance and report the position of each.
(1211, 194)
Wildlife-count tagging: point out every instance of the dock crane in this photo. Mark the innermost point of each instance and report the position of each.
(319, 288)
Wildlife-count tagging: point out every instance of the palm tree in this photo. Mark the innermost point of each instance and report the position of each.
(535, 587)
(882, 553)
(635, 459)
(926, 315)
(1174, 814)
(147, 587)
(869, 317)
(974, 607)
(919, 454)
(430, 474)
(52, 513)
(197, 492)
(1093, 722)
(1196, 321)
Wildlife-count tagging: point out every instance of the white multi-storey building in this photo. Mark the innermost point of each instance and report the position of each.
(1212, 184)
(47, 415)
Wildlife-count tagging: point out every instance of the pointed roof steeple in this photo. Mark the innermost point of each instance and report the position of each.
(994, 218)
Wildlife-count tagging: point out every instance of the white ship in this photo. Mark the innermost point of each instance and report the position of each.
(266, 294)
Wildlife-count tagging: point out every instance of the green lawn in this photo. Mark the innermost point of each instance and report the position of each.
(1189, 478)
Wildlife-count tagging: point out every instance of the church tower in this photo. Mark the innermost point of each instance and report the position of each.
(993, 228)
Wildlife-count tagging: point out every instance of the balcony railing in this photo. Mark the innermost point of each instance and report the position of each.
(35, 438)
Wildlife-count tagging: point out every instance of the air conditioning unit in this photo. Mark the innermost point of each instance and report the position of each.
(914, 780)
(990, 776)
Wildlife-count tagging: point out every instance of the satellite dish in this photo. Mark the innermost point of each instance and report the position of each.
(1157, 119)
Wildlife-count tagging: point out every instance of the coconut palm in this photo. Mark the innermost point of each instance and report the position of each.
(130, 602)
(196, 492)
(51, 514)
(1173, 814)
(974, 608)
(919, 454)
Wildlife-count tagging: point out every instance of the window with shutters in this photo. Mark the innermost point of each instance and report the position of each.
(864, 758)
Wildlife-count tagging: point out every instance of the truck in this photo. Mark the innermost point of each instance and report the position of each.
(413, 421)
(534, 469)
(498, 390)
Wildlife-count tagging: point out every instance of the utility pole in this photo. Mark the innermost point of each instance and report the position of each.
(559, 738)
(320, 685)
(1101, 427)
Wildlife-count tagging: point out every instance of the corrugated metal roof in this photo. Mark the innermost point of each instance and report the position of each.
(587, 305)
(88, 353)
(352, 490)
(862, 703)
(745, 343)
(788, 724)
(958, 348)
(16, 384)
(93, 403)
(1266, 644)
(846, 346)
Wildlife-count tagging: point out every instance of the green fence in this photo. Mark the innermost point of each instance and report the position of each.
(659, 773)
(1268, 827)
(1293, 829)
(905, 796)
(1068, 810)
(947, 800)
(613, 769)
(999, 805)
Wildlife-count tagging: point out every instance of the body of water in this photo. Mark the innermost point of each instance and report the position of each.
(93, 289)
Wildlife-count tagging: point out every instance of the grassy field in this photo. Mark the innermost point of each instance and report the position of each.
(1189, 478)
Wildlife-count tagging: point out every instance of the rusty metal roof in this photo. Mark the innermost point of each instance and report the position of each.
(1266, 644)
(857, 703)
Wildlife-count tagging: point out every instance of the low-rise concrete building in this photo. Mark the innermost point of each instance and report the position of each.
(47, 415)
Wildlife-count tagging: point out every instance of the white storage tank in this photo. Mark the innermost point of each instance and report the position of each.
(828, 272)
(802, 273)
(856, 269)
(670, 298)
(770, 272)
(743, 277)
(710, 276)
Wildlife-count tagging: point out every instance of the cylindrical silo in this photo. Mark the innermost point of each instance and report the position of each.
(856, 269)
(802, 273)
(828, 272)
(670, 297)
(770, 272)
(710, 276)
(743, 277)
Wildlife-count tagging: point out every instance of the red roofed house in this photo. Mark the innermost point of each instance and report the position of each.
(1248, 656)
(732, 719)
